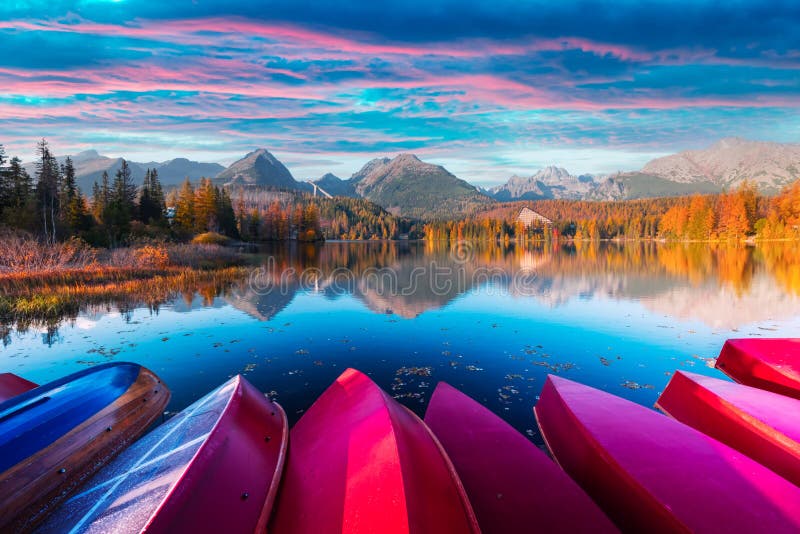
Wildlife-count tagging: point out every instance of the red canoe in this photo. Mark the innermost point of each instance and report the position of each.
(12, 385)
(360, 462)
(512, 485)
(214, 467)
(651, 473)
(771, 364)
(761, 424)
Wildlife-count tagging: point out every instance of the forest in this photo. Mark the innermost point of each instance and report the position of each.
(118, 212)
(736, 215)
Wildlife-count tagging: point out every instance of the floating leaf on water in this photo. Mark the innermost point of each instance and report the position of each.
(414, 371)
(630, 384)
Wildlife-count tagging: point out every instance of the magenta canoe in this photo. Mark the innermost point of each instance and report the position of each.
(214, 467)
(651, 473)
(359, 462)
(770, 364)
(12, 385)
(512, 485)
(763, 425)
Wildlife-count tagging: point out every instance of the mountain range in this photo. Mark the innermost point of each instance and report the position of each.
(408, 186)
(90, 165)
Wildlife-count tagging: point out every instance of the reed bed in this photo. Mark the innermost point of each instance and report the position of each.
(44, 284)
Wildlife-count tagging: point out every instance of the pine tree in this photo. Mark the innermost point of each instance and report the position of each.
(72, 213)
(226, 218)
(47, 191)
(157, 197)
(5, 183)
(121, 205)
(19, 203)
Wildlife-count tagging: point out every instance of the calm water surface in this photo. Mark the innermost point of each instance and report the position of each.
(492, 321)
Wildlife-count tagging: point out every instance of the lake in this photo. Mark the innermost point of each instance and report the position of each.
(490, 320)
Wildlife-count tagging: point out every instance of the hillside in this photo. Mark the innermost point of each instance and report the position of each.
(550, 182)
(729, 162)
(333, 185)
(407, 186)
(90, 165)
(261, 169)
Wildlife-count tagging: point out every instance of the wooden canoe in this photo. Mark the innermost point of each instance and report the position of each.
(512, 485)
(763, 425)
(651, 473)
(53, 437)
(770, 364)
(359, 462)
(214, 467)
(12, 385)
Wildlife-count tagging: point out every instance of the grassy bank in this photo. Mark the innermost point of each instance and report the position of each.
(43, 284)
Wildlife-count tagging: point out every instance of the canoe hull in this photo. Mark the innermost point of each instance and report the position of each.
(59, 434)
(12, 385)
(651, 473)
(761, 424)
(512, 485)
(769, 364)
(214, 467)
(360, 462)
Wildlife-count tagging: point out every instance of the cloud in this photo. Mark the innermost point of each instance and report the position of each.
(476, 80)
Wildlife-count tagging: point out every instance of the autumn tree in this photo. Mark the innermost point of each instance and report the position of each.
(184, 221)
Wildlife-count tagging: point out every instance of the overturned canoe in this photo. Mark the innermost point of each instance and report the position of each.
(53, 437)
(512, 485)
(12, 385)
(770, 364)
(360, 462)
(651, 473)
(214, 467)
(763, 425)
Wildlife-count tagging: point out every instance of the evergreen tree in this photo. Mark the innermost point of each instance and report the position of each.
(226, 218)
(20, 209)
(157, 197)
(69, 186)
(5, 182)
(69, 198)
(121, 205)
(48, 180)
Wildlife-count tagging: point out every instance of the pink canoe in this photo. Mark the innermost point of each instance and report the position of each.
(651, 473)
(214, 467)
(770, 364)
(12, 385)
(360, 462)
(512, 485)
(763, 425)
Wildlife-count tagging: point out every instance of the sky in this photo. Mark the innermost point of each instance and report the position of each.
(488, 89)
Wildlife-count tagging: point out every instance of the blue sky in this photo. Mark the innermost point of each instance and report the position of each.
(486, 88)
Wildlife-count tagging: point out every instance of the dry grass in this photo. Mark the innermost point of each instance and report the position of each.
(20, 252)
(44, 284)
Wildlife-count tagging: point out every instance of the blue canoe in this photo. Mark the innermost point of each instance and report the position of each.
(53, 437)
(214, 467)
